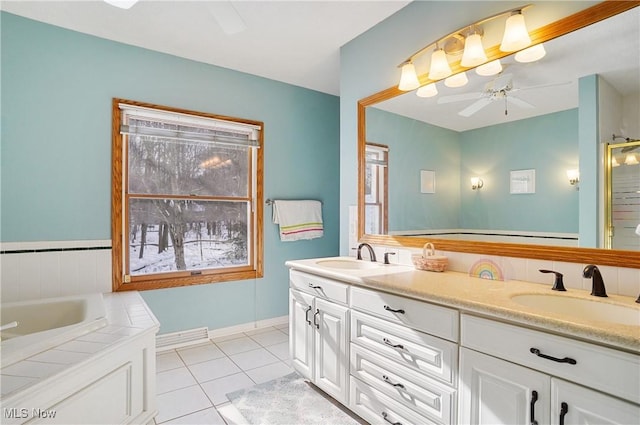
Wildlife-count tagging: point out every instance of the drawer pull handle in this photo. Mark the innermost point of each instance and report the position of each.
(306, 315)
(384, 415)
(401, 311)
(534, 398)
(564, 409)
(555, 359)
(390, 344)
(386, 379)
(312, 286)
(314, 319)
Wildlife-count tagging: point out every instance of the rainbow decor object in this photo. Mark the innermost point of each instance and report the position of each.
(486, 269)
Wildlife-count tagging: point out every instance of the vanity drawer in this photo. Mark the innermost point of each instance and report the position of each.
(609, 370)
(377, 408)
(430, 318)
(424, 395)
(420, 352)
(320, 287)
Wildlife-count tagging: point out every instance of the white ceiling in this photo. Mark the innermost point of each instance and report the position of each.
(296, 42)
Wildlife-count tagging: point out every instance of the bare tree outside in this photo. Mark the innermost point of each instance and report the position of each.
(183, 214)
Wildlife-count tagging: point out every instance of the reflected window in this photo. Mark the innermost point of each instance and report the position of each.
(376, 188)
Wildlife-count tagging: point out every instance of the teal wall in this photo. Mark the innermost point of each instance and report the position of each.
(57, 87)
(548, 144)
(368, 64)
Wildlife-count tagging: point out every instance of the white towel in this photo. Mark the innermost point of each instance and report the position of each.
(298, 219)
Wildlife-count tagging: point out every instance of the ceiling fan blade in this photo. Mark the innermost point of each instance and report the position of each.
(541, 86)
(519, 102)
(227, 17)
(474, 107)
(459, 97)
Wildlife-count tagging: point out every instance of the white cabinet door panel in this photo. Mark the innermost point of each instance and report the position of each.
(301, 332)
(331, 342)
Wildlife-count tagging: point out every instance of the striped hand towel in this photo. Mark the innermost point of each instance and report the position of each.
(298, 219)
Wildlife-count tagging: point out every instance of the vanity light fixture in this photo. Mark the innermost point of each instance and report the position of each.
(457, 80)
(489, 69)
(439, 67)
(429, 90)
(631, 159)
(122, 4)
(573, 176)
(531, 54)
(409, 78)
(476, 183)
(516, 36)
(473, 54)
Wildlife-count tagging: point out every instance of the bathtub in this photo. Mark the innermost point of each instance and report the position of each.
(45, 323)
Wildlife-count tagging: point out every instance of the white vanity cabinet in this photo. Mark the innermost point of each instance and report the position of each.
(318, 332)
(514, 375)
(400, 371)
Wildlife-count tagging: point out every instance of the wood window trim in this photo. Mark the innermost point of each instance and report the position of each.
(117, 218)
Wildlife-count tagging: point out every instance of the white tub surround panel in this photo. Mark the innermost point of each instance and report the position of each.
(104, 376)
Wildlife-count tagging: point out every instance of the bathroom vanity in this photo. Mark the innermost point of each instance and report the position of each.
(402, 346)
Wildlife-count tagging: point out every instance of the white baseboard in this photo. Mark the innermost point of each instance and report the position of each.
(180, 339)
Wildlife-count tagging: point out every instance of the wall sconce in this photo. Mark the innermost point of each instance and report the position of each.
(476, 183)
(631, 159)
(573, 176)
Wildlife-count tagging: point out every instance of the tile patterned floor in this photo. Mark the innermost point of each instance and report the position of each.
(192, 382)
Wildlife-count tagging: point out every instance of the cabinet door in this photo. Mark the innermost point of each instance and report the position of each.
(331, 340)
(301, 332)
(573, 404)
(493, 391)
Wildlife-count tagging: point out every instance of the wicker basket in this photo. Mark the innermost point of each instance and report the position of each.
(428, 260)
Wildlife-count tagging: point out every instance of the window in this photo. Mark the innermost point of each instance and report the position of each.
(376, 191)
(186, 197)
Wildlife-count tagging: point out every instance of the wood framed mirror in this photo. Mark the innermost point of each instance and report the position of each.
(612, 257)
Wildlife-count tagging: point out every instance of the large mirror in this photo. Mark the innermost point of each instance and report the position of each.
(418, 155)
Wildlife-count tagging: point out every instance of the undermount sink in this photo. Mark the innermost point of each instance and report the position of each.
(580, 308)
(348, 264)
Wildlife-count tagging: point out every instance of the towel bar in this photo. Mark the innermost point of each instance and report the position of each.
(271, 201)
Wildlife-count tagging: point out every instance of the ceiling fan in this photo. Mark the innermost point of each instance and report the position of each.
(501, 88)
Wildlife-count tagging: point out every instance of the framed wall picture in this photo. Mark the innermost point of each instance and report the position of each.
(427, 181)
(522, 182)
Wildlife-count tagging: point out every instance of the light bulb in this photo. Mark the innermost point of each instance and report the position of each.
(408, 78)
(516, 36)
(573, 176)
(439, 68)
(457, 80)
(473, 51)
(429, 90)
(531, 54)
(488, 69)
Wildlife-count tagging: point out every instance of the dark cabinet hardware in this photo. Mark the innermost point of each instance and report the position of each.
(534, 398)
(312, 286)
(386, 257)
(314, 319)
(384, 415)
(401, 311)
(386, 379)
(564, 409)
(390, 344)
(306, 315)
(558, 284)
(555, 359)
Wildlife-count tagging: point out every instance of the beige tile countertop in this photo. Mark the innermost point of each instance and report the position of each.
(488, 297)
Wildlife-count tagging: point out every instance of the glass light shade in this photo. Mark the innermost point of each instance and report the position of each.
(531, 54)
(614, 162)
(122, 4)
(573, 176)
(515, 36)
(408, 78)
(439, 68)
(473, 51)
(488, 69)
(429, 90)
(457, 80)
(476, 183)
(631, 160)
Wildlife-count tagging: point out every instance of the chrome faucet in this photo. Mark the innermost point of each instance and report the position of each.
(371, 253)
(597, 288)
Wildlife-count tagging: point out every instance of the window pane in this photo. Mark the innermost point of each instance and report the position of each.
(372, 219)
(176, 167)
(175, 235)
